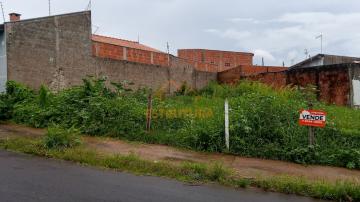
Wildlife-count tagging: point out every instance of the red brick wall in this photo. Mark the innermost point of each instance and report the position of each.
(248, 70)
(215, 61)
(235, 74)
(275, 79)
(109, 51)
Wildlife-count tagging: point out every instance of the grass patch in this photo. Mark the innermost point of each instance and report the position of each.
(189, 172)
(57, 137)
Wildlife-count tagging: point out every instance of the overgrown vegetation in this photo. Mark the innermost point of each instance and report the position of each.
(263, 121)
(59, 138)
(189, 172)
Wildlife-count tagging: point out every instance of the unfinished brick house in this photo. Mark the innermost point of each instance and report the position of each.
(215, 60)
(59, 51)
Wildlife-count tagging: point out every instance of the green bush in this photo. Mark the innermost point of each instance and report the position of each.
(15, 94)
(59, 138)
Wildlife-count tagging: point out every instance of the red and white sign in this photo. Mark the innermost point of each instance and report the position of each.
(313, 118)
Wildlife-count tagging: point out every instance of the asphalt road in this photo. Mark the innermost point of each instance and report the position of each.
(27, 178)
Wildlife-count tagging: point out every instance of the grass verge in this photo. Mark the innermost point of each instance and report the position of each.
(188, 172)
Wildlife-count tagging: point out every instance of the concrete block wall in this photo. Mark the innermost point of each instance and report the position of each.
(57, 51)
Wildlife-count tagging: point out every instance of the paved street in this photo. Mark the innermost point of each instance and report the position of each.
(27, 178)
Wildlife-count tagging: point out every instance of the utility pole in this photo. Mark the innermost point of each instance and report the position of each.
(88, 6)
(168, 52)
(306, 53)
(321, 42)
(2, 10)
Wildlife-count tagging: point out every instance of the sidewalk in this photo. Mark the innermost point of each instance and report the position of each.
(245, 167)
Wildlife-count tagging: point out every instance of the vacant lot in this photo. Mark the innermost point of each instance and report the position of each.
(263, 121)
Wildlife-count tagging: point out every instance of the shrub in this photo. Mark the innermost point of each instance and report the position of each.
(59, 138)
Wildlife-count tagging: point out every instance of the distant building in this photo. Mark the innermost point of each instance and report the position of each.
(215, 60)
(324, 59)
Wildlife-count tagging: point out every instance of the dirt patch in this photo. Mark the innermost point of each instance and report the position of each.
(245, 167)
(11, 130)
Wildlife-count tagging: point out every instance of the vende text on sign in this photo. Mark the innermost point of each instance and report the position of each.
(313, 118)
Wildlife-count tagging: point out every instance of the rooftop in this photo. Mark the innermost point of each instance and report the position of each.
(199, 49)
(123, 43)
(332, 59)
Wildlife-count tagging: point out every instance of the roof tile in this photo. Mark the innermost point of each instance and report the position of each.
(123, 43)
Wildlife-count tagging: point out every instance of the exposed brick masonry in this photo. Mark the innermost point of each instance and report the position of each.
(129, 51)
(214, 60)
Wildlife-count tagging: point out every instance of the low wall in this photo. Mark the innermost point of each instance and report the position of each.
(275, 79)
(236, 74)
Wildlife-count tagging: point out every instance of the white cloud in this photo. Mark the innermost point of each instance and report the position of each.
(240, 20)
(285, 37)
(235, 34)
(259, 54)
(211, 30)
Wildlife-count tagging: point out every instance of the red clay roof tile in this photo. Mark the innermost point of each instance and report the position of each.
(123, 43)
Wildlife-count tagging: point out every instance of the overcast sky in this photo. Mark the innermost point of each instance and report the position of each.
(278, 30)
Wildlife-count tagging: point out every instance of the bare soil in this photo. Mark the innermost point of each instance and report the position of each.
(245, 167)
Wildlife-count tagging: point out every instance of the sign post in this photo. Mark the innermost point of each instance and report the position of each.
(227, 141)
(149, 113)
(312, 118)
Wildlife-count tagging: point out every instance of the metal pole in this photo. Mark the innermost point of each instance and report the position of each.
(168, 52)
(227, 139)
(2, 10)
(321, 42)
(49, 7)
(311, 129)
(149, 113)
(311, 136)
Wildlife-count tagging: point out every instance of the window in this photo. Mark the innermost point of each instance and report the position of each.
(227, 64)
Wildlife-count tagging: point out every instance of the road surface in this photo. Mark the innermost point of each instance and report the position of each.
(27, 178)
